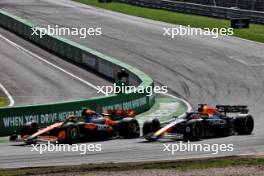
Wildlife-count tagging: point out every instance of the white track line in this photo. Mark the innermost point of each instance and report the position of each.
(11, 100)
(51, 64)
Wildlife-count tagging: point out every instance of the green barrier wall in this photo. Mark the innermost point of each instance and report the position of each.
(14, 117)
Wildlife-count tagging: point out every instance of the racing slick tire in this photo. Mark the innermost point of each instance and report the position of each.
(29, 128)
(244, 124)
(193, 130)
(72, 134)
(129, 128)
(151, 126)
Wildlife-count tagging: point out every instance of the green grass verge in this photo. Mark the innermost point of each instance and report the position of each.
(3, 101)
(255, 32)
(177, 165)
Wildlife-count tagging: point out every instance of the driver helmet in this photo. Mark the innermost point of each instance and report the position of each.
(88, 112)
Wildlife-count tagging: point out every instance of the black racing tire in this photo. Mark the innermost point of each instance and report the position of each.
(28, 129)
(193, 130)
(151, 126)
(244, 124)
(129, 128)
(72, 134)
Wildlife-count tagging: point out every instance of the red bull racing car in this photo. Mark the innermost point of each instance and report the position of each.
(206, 122)
(90, 125)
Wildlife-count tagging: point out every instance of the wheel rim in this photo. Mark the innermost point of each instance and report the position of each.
(134, 128)
(74, 133)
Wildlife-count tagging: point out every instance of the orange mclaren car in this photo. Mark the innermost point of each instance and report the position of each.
(90, 125)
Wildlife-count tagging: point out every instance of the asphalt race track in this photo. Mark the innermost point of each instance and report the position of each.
(31, 81)
(201, 69)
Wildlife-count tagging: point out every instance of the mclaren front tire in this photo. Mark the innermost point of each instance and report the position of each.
(71, 134)
(28, 129)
